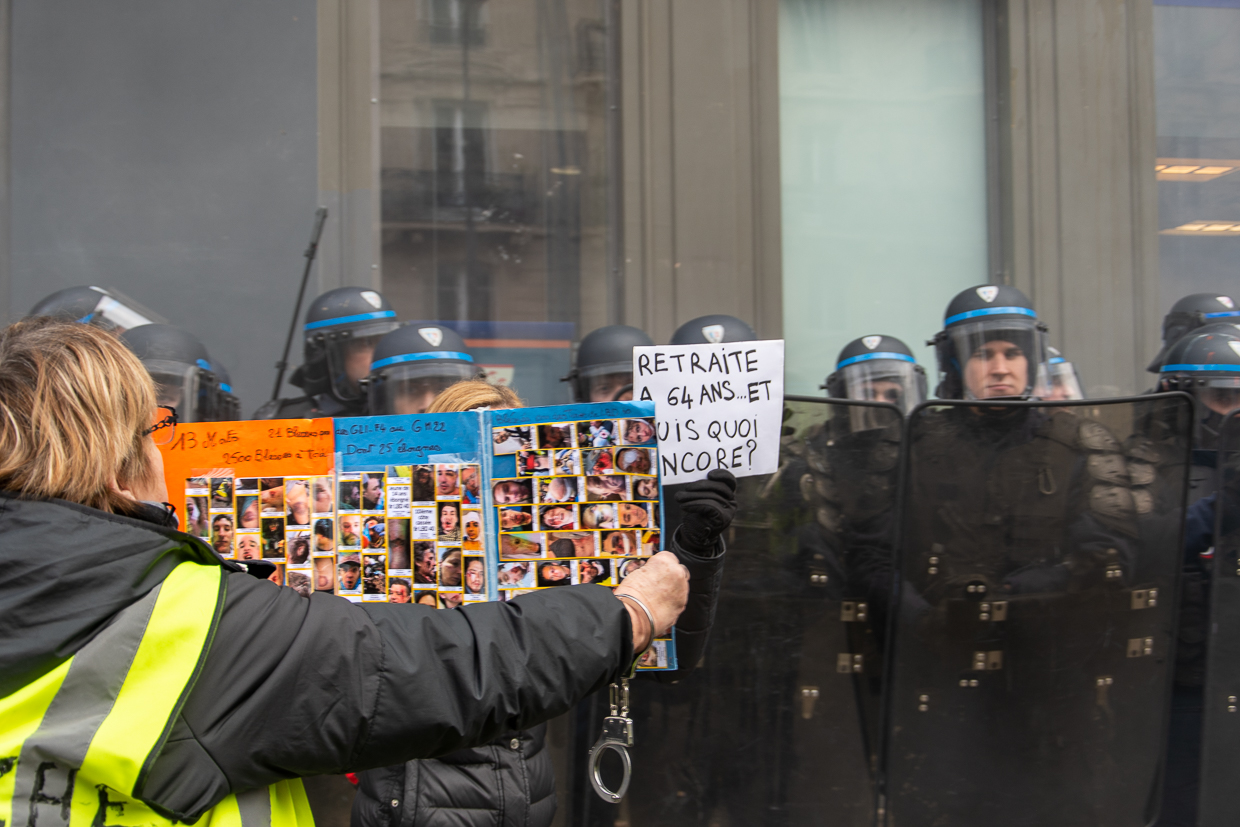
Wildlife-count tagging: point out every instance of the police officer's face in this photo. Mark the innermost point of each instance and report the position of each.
(357, 353)
(1221, 400)
(997, 369)
(884, 390)
(603, 388)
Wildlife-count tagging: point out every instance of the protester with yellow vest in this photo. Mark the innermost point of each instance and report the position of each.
(143, 680)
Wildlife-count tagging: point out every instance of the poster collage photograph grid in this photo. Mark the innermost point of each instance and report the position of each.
(287, 521)
(575, 502)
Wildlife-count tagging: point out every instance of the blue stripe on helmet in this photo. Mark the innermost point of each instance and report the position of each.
(1222, 313)
(204, 364)
(1056, 360)
(865, 357)
(990, 311)
(225, 388)
(418, 357)
(1198, 368)
(360, 317)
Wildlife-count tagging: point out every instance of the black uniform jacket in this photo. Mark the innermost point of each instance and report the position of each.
(292, 686)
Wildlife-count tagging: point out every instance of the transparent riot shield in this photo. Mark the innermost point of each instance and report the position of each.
(1219, 802)
(1034, 637)
(779, 722)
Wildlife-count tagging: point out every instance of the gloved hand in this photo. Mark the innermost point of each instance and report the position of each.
(707, 507)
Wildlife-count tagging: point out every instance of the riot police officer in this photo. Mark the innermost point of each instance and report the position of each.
(228, 405)
(342, 328)
(878, 369)
(1015, 518)
(412, 365)
(1188, 314)
(603, 366)
(1206, 364)
(107, 309)
(1061, 380)
(714, 330)
(181, 369)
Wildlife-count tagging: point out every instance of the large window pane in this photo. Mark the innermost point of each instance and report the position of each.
(493, 177)
(883, 172)
(1197, 66)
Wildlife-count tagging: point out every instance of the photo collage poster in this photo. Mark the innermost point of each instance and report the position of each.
(441, 510)
(576, 497)
(410, 514)
(261, 490)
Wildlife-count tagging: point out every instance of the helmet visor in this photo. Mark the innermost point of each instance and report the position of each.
(116, 313)
(1058, 381)
(187, 388)
(894, 380)
(348, 360)
(997, 359)
(612, 382)
(410, 388)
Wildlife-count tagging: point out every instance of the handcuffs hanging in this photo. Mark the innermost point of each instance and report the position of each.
(617, 736)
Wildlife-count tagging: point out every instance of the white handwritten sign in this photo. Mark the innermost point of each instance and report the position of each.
(423, 524)
(716, 406)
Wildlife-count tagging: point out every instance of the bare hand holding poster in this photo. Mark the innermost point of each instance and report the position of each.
(716, 406)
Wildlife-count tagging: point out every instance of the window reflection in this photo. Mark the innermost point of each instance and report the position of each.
(493, 159)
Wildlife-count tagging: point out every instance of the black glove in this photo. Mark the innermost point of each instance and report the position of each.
(707, 507)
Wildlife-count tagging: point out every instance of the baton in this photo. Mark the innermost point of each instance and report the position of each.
(320, 218)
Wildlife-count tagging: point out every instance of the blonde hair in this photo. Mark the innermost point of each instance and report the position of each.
(74, 402)
(474, 393)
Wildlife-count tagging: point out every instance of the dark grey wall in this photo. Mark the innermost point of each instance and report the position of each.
(168, 149)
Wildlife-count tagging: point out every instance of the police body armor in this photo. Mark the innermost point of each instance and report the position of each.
(779, 723)
(1032, 648)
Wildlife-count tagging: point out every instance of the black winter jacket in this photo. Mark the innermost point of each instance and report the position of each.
(511, 781)
(292, 686)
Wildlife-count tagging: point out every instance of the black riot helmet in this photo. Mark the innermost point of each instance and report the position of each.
(1059, 380)
(1188, 314)
(713, 330)
(878, 369)
(414, 364)
(342, 328)
(603, 370)
(107, 309)
(180, 367)
(1206, 364)
(227, 403)
(975, 327)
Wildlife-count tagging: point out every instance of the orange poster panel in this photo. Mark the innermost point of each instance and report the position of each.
(207, 461)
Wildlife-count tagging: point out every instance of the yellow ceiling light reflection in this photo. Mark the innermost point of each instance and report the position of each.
(1206, 228)
(1194, 169)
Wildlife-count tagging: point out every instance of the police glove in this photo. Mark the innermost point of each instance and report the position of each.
(707, 508)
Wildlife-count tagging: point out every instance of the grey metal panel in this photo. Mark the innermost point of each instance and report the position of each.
(701, 162)
(1083, 196)
(168, 149)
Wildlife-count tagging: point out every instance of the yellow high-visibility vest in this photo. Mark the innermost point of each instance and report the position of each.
(76, 743)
